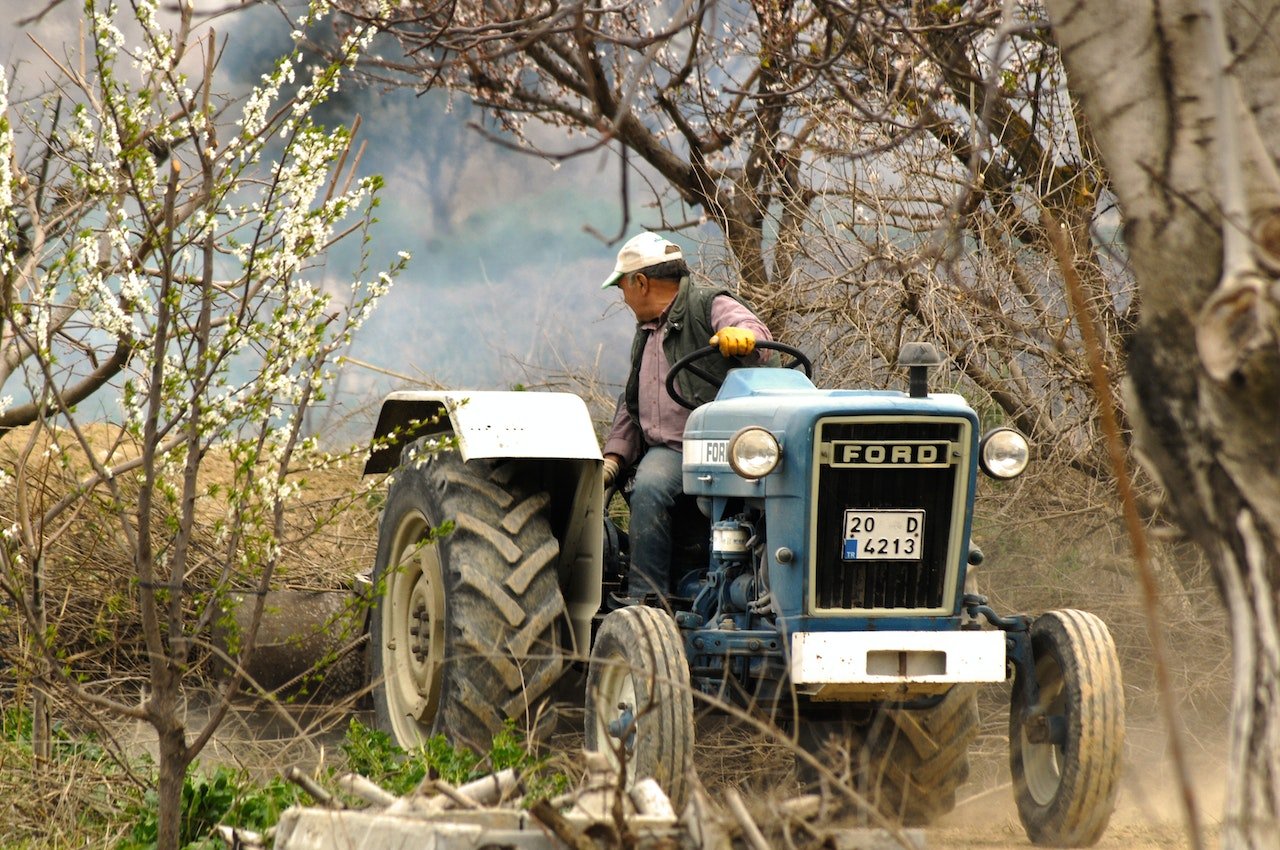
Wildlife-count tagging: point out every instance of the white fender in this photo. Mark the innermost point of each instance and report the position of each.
(490, 423)
(493, 424)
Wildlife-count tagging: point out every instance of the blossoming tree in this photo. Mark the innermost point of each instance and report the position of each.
(160, 249)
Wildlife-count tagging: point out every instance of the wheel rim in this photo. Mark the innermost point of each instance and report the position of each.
(413, 622)
(616, 719)
(1042, 762)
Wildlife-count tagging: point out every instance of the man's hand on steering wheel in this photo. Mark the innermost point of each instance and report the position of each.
(734, 342)
(797, 360)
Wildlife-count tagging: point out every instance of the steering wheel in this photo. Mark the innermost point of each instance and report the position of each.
(798, 361)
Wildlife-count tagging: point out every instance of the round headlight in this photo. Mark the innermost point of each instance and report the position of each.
(1004, 453)
(753, 452)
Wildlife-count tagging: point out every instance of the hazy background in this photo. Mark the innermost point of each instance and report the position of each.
(503, 289)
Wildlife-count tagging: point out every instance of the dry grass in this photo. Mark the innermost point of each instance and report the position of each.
(89, 564)
(1041, 553)
(93, 603)
(734, 754)
(1082, 561)
(46, 806)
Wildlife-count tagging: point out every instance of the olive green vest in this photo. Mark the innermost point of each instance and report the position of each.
(688, 329)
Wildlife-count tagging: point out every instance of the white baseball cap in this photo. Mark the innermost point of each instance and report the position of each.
(640, 252)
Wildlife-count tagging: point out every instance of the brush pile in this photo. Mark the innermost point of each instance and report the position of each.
(490, 812)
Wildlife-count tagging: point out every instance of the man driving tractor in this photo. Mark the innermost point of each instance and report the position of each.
(674, 317)
(819, 580)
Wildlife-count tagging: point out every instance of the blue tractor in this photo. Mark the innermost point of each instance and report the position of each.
(826, 588)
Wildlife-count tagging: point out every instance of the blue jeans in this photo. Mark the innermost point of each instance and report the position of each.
(658, 483)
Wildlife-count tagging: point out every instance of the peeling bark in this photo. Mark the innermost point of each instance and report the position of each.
(1205, 363)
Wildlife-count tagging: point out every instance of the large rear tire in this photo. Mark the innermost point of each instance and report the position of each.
(464, 630)
(908, 763)
(1066, 766)
(639, 703)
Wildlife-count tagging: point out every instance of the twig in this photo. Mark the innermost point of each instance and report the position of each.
(544, 814)
(306, 783)
(489, 790)
(651, 800)
(370, 792)
(1002, 787)
(242, 839)
(802, 807)
(750, 831)
(456, 796)
(1133, 522)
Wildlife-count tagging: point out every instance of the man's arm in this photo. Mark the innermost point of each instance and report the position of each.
(623, 443)
(727, 312)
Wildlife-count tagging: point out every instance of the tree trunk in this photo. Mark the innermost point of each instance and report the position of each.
(1147, 80)
(174, 760)
(41, 734)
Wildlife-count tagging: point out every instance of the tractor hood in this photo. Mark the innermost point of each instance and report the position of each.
(788, 405)
(869, 494)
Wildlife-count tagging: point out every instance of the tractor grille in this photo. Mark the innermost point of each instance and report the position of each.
(904, 584)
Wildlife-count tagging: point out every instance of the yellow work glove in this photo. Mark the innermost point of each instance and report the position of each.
(734, 342)
(610, 470)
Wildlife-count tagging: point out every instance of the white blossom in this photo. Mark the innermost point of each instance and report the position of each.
(131, 261)
(158, 51)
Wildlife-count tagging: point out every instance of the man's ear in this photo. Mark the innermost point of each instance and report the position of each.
(642, 281)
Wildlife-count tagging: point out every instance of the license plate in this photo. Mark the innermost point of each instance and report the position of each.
(883, 535)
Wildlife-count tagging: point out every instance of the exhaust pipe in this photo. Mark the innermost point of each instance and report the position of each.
(918, 358)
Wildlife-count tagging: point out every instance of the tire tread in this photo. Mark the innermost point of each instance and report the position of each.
(502, 595)
(910, 763)
(1082, 805)
(647, 642)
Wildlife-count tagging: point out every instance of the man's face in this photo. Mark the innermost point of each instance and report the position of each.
(635, 289)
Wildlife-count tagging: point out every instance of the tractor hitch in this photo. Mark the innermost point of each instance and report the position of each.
(1017, 629)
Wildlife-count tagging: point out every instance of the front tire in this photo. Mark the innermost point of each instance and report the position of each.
(464, 630)
(639, 703)
(1066, 766)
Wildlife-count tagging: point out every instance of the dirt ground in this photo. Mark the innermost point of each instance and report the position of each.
(1148, 816)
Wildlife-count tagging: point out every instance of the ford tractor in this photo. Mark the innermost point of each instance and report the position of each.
(822, 582)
